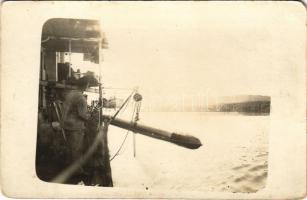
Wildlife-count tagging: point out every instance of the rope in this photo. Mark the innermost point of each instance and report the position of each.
(123, 109)
(113, 117)
(120, 147)
(123, 142)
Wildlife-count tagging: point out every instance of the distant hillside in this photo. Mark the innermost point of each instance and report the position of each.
(244, 104)
(243, 98)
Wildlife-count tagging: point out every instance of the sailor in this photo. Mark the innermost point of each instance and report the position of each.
(74, 116)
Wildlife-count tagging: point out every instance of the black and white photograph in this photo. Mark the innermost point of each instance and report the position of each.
(78, 101)
(156, 99)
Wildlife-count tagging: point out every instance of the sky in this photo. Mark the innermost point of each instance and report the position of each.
(174, 51)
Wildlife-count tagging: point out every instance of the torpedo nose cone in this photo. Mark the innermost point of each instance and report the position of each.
(187, 141)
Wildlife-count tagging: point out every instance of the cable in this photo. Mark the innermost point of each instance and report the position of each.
(113, 117)
(123, 142)
(124, 108)
(121, 146)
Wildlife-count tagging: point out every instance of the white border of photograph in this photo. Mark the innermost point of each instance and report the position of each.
(21, 27)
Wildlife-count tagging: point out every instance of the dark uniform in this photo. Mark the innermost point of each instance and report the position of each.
(73, 118)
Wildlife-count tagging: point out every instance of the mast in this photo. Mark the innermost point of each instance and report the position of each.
(103, 124)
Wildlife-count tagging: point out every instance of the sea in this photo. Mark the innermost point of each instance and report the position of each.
(233, 156)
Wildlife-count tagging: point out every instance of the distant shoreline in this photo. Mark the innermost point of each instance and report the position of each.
(209, 112)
